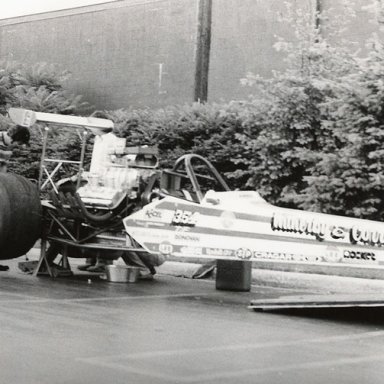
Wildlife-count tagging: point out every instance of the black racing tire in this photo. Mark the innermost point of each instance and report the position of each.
(20, 215)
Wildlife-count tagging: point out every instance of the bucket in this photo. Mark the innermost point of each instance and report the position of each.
(122, 273)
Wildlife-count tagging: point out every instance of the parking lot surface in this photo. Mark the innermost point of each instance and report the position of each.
(173, 330)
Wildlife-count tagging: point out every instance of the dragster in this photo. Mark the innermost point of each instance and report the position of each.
(126, 204)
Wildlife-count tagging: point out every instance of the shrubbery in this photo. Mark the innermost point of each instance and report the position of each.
(348, 178)
(40, 88)
(321, 143)
(210, 130)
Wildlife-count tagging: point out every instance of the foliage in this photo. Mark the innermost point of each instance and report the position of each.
(321, 143)
(39, 87)
(351, 176)
(207, 129)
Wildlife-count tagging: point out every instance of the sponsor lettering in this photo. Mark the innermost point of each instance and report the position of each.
(153, 213)
(357, 255)
(338, 233)
(165, 248)
(296, 224)
(218, 252)
(366, 236)
(149, 234)
(282, 256)
(331, 255)
(244, 253)
(195, 251)
(186, 237)
(321, 230)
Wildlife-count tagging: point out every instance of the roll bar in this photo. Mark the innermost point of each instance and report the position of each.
(83, 125)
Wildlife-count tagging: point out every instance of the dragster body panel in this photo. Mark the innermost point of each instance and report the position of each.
(241, 225)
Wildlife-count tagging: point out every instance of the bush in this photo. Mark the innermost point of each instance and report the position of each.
(210, 130)
(320, 146)
(352, 176)
(40, 88)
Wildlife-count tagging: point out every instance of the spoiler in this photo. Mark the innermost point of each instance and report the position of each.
(27, 118)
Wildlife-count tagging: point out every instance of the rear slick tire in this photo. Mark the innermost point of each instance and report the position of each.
(20, 215)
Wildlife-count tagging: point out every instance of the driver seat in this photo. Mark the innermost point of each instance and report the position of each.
(170, 182)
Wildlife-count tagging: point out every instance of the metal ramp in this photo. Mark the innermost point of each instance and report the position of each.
(319, 301)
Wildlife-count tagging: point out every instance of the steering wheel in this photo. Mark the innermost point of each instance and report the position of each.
(213, 174)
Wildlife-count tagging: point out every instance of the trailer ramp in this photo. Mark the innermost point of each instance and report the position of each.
(319, 301)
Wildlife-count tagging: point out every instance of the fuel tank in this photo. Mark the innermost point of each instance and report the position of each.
(20, 215)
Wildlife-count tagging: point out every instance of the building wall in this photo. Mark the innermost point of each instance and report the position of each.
(243, 36)
(244, 33)
(134, 54)
(142, 52)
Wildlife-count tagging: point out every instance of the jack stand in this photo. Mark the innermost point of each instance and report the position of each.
(46, 267)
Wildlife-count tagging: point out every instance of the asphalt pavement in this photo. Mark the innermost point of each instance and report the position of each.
(83, 329)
